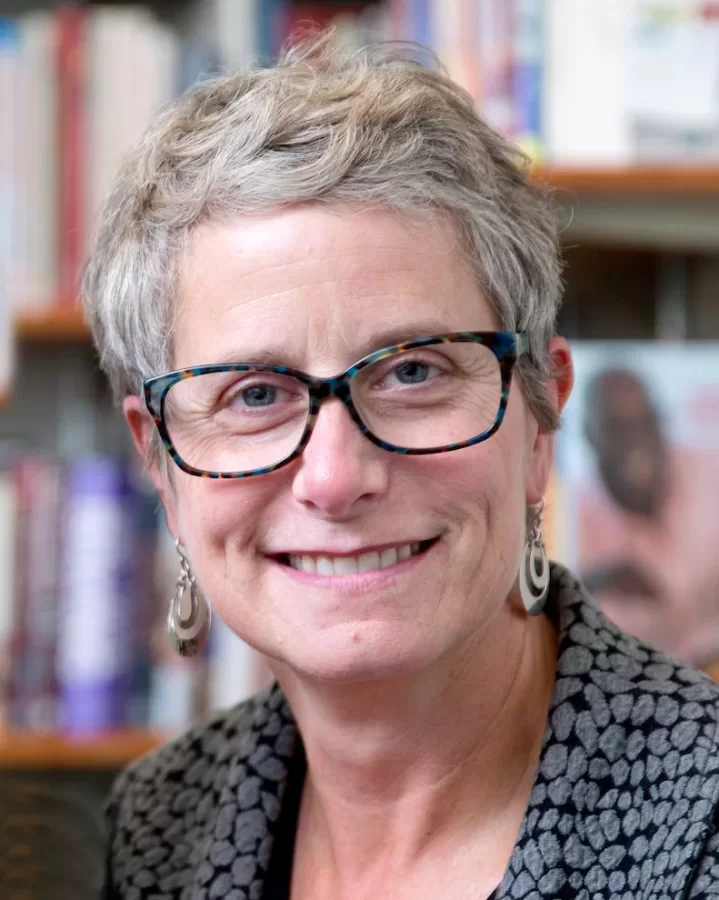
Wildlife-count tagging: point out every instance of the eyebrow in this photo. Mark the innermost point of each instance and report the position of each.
(276, 355)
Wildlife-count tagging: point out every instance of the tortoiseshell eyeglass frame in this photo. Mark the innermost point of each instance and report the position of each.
(507, 347)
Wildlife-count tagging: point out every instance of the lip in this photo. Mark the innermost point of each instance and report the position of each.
(359, 582)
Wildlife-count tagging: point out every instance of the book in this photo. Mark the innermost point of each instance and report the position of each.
(8, 514)
(71, 99)
(226, 35)
(454, 27)
(98, 612)
(37, 213)
(9, 156)
(38, 485)
(527, 75)
(637, 472)
(121, 99)
(585, 88)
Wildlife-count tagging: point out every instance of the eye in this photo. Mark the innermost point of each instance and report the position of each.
(410, 372)
(259, 395)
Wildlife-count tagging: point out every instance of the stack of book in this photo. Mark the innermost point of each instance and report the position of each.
(78, 86)
(583, 82)
(86, 577)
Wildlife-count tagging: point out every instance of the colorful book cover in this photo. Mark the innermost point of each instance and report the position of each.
(638, 464)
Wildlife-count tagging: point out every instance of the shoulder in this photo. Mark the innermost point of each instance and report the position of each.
(167, 803)
(626, 682)
(627, 787)
(637, 728)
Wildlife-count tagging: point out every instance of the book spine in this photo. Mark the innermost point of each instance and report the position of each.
(121, 102)
(98, 610)
(33, 687)
(496, 55)
(8, 540)
(38, 181)
(271, 29)
(423, 26)
(71, 84)
(527, 76)
(9, 62)
(415, 20)
(145, 522)
(400, 20)
(586, 118)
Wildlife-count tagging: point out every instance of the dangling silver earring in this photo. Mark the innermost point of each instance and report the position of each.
(188, 627)
(534, 571)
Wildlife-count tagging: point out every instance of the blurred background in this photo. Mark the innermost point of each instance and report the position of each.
(617, 104)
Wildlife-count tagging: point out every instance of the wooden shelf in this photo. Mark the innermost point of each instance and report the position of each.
(674, 194)
(63, 324)
(55, 751)
(664, 180)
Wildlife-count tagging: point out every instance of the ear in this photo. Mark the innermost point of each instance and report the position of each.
(142, 428)
(559, 387)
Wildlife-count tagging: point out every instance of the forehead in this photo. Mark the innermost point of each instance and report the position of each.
(316, 288)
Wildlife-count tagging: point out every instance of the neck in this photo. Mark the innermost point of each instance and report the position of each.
(403, 765)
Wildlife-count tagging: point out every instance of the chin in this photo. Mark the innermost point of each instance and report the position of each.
(352, 658)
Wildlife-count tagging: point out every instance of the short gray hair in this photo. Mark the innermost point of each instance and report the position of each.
(378, 128)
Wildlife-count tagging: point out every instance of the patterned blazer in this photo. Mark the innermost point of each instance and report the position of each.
(624, 804)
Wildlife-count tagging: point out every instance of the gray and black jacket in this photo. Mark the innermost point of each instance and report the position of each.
(625, 803)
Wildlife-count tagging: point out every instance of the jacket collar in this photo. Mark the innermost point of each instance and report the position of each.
(598, 670)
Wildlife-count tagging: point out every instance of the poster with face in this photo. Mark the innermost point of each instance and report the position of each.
(637, 490)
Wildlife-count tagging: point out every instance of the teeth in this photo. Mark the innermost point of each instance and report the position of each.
(368, 561)
(345, 565)
(388, 558)
(348, 565)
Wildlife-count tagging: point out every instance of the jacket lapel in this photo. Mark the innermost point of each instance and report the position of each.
(252, 785)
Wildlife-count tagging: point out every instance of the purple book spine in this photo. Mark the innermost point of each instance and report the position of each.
(97, 608)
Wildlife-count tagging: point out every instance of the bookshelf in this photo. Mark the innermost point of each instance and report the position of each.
(61, 324)
(55, 751)
(662, 209)
(680, 188)
(666, 181)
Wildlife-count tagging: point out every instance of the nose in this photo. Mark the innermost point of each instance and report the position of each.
(339, 467)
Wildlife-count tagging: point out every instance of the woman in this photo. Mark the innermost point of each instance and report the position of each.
(325, 294)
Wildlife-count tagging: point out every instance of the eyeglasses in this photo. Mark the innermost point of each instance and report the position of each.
(429, 395)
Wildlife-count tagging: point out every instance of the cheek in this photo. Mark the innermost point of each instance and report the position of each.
(480, 489)
(489, 483)
(217, 518)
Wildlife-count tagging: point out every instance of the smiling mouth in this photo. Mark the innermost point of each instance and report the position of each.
(372, 561)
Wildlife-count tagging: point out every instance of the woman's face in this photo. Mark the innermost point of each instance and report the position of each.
(318, 289)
